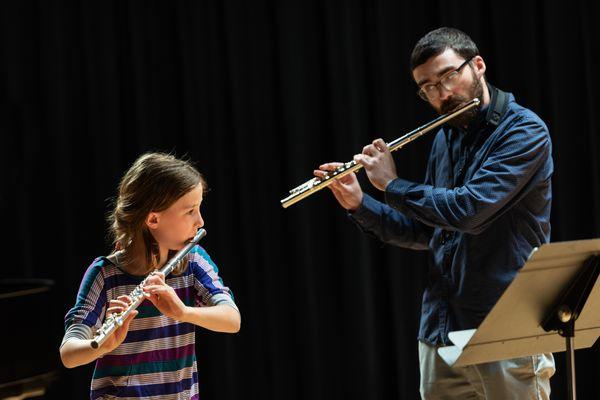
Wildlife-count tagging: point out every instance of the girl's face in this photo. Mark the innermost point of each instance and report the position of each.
(175, 226)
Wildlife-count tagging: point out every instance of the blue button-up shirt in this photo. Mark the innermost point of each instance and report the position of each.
(484, 205)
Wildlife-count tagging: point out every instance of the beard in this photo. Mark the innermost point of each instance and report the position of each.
(455, 101)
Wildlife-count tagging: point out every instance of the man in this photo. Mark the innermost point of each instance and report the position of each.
(484, 205)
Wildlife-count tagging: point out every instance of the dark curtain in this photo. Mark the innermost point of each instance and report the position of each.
(259, 93)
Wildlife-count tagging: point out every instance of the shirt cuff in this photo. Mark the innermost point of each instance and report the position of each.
(366, 212)
(395, 192)
(223, 298)
(77, 331)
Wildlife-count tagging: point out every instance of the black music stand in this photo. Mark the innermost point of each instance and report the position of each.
(557, 287)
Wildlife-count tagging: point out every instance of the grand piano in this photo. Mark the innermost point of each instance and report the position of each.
(30, 361)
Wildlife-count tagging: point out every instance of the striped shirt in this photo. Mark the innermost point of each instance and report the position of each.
(157, 358)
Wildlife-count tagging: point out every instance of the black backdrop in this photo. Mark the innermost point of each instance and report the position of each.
(259, 93)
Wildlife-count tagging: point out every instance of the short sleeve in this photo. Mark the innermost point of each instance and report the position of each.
(209, 286)
(90, 304)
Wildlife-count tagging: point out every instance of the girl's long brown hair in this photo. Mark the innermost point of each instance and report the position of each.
(152, 184)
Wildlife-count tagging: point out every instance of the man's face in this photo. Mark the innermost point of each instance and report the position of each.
(466, 84)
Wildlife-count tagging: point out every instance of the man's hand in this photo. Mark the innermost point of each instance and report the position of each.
(346, 189)
(379, 164)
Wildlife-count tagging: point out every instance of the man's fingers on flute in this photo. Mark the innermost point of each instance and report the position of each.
(319, 174)
(330, 166)
(380, 145)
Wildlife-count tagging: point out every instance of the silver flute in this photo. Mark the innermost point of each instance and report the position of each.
(315, 184)
(137, 295)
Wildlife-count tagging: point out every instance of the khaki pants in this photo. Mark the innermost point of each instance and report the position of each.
(525, 378)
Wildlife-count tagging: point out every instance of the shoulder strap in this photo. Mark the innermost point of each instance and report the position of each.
(498, 105)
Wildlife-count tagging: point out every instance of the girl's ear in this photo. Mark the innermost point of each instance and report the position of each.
(152, 220)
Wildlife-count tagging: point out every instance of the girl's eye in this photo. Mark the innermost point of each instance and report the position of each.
(191, 211)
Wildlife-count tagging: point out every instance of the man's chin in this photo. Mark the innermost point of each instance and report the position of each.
(463, 120)
(457, 123)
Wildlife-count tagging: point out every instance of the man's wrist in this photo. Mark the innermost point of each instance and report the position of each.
(351, 210)
(387, 185)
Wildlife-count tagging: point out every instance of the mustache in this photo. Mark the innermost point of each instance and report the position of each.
(452, 104)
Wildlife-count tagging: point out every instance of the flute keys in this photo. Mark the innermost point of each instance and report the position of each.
(342, 168)
(306, 189)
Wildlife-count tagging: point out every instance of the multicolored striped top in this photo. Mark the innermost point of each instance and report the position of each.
(158, 357)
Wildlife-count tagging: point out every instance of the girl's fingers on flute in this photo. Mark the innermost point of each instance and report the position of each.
(152, 280)
(157, 278)
(118, 303)
(113, 310)
(160, 275)
(130, 317)
(155, 289)
(124, 298)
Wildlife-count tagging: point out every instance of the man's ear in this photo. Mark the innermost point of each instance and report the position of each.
(152, 220)
(479, 66)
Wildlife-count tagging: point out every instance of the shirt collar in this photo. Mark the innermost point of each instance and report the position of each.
(486, 115)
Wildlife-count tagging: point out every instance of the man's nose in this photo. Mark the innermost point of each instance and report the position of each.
(444, 93)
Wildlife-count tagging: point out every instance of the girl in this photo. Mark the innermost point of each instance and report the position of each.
(152, 355)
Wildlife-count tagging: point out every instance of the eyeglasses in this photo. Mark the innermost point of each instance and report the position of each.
(431, 91)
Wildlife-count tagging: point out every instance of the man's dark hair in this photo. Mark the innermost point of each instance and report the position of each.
(437, 41)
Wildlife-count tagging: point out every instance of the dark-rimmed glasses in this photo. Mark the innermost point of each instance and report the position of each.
(431, 91)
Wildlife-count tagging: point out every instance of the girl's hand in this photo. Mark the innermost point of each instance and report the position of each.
(118, 305)
(164, 297)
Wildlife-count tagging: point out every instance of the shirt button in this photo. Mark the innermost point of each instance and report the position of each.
(446, 237)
